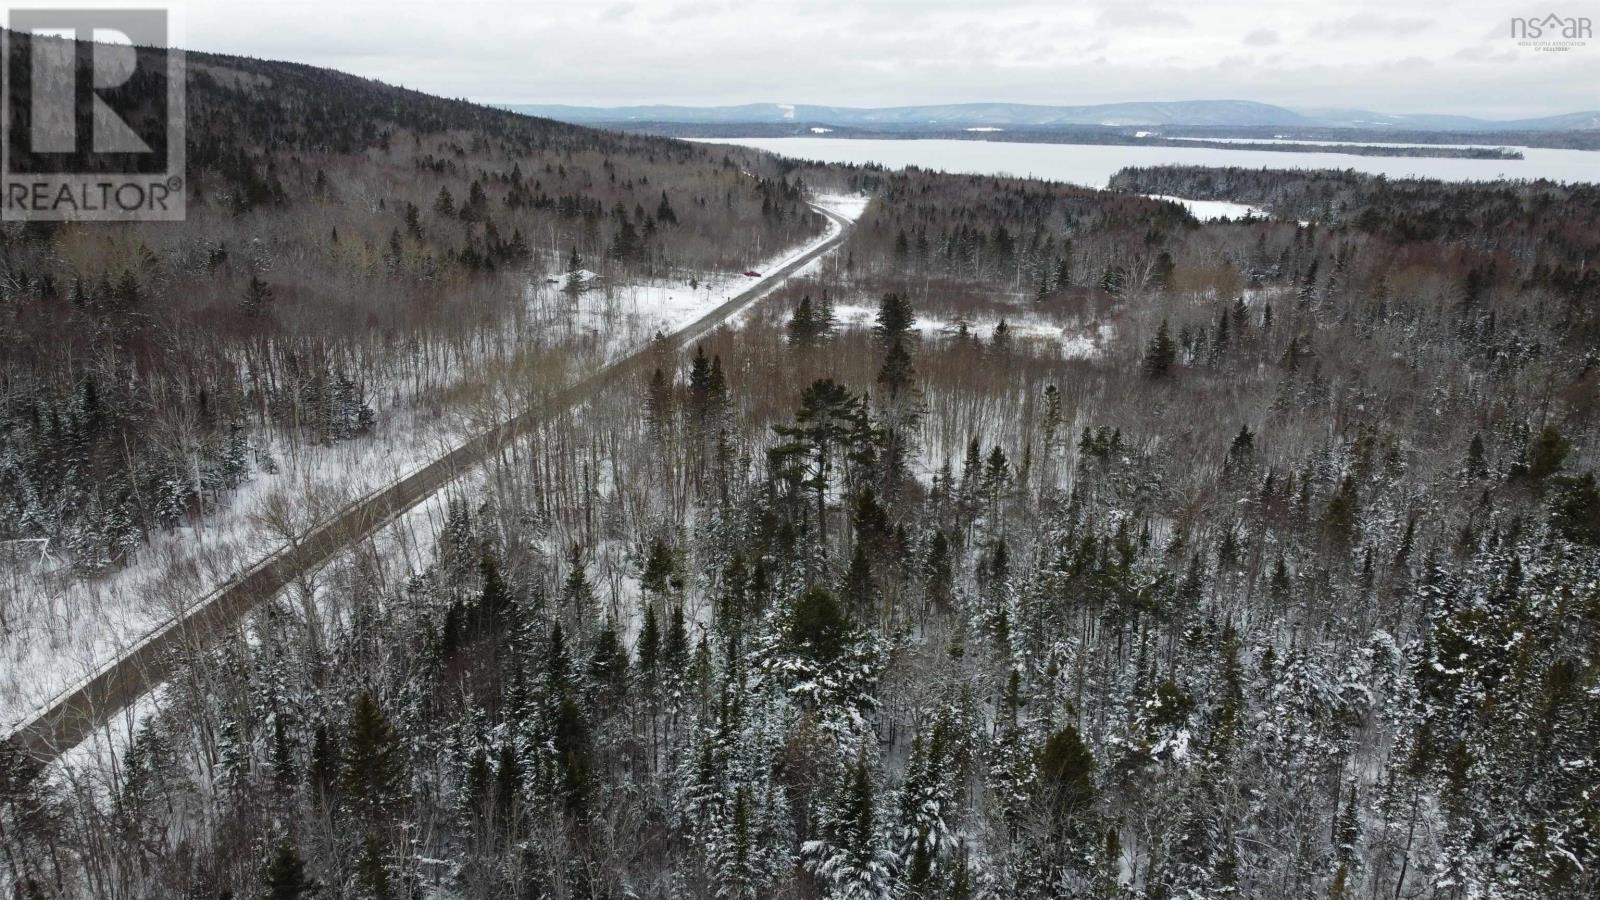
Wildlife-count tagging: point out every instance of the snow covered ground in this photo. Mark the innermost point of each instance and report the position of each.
(618, 320)
(65, 628)
(1073, 342)
(1211, 210)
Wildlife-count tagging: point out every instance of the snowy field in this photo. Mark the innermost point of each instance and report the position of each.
(66, 627)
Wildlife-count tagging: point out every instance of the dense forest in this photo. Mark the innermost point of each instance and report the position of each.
(1041, 542)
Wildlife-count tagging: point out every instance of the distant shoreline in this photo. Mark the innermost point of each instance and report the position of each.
(1052, 136)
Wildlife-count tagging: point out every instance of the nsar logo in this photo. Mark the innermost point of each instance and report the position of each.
(1552, 33)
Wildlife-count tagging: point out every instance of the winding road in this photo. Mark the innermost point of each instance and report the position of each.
(75, 713)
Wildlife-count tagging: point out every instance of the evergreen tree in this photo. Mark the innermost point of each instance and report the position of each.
(608, 668)
(649, 648)
(373, 777)
(494, 600)
(1340, 517)
(1066, 780)
(1160, 356)
(1477, 468)
(323, 771)
(853, 861)
(859, 589)
(658, 405)
(257, 297)
(1575, 509)
(1000, 341)
(1161, 272)
(284, 877)
(897, 370)
(804, 327)
(926, 834)
(1051, 418)
(1240, 461)
(576, 593)
(372, 874)
(1546, 453)
(895, 318)
(808, 456)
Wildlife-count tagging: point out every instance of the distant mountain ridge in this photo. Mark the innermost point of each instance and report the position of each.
(1210, 113)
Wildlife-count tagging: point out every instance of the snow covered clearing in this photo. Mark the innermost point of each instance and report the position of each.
(1074, 342)
(1211, 210)
(851, 206)
(618, 320)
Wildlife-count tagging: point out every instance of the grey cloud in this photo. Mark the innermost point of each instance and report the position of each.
(888, 52)
(1485, 53)
(1370, 27)
(1139, 15)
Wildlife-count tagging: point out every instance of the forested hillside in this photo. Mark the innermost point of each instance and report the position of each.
(1041, 542)
(341, 234)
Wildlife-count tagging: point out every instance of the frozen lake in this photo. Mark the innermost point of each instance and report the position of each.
(1092, 165)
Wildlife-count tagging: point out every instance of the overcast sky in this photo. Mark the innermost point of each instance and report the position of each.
(1443, 56)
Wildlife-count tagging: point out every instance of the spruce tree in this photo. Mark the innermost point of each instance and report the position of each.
(494, 600)
(1546, 453)
(1340, 516)
(284, 877)
(803, 326)
(608, 667)
(372, 874)
(1162, 354)
(1051, 418)
(1161, 271)
(658, 406)
(858, 588)
(649, 648)
(1476, 466)
(257, 297)
(896, 318)
(660, 568)
(675, 648)
(1575, 509)
(1066, 779)
(373, 777)
(576, 593)
(897, 370)
(853, 860)
(323, 771)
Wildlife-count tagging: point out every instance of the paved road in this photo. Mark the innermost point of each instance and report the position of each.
(73, 715)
